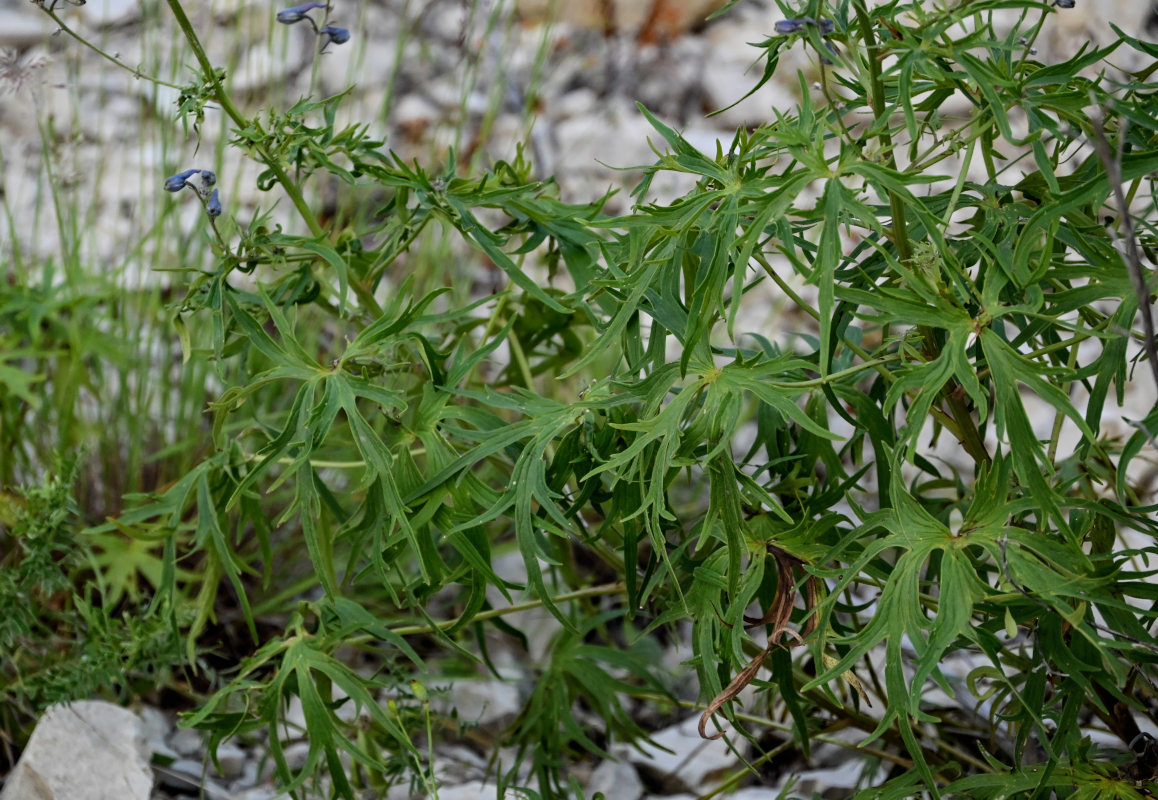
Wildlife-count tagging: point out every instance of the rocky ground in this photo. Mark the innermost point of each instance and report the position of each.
(586, 73)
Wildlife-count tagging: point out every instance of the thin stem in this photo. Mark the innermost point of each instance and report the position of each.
(136, 72)
(619, 587)
(896, 203)
(290, 186)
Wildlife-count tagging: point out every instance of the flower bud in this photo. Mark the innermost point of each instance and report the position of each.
(297, 13)
(334, 34)
(175, 183)
(213, 205)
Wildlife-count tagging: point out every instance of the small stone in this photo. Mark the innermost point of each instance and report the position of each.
(187, 743)
(88, 749)
(182, 775)
(296, 755)
(158, 725)
(694, 764)
(618, 780)
(232, 760)
(474, 790)
(489, 704)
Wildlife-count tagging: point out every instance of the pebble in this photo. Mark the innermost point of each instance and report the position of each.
(687, 763)
(618, 780)
(487, 704)
(187, 742)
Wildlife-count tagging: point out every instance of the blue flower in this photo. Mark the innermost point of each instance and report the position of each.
(213, 205)
(332, 33)
(175, 183)
(298, 13)
(208, 178)
(787, 26)
(798, 24)
(1064, 3)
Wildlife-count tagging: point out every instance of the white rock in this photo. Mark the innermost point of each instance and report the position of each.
(488, 703)
(476, 790)
(754, 793)
(187, 742)
(844, 778)
(89, 749)
(158, 725)
(296, 755)
(232, 760)
(183, 775)
(694, 764)
(618, 780)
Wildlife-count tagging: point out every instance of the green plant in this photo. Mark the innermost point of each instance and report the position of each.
(400, 428)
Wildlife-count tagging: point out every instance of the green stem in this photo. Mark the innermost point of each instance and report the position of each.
(896, 203)
(619, 587)
(966, 428)
(136, 72)
(211, 76)
(290, 186)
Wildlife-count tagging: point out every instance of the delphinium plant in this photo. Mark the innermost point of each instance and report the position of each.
(978, 231)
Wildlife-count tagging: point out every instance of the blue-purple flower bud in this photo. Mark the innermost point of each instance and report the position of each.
(334, 34)
(798, 24)
(1064, 3)
(175, 183)
(297, 13)
(213, 205)
(208, 178)
(787, 26)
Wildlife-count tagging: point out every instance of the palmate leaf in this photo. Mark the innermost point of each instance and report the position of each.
(1009, 369)
(900, 613)
(544, 422)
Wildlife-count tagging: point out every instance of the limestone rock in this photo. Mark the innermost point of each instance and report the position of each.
(689, 763)
(618, 780)
(90, 749)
